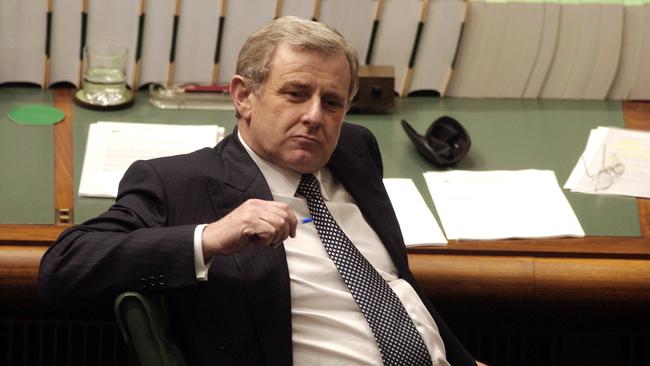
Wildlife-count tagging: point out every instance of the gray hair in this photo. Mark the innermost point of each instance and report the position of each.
(255, 57)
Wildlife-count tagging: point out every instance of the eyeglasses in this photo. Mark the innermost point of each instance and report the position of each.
(605, 176)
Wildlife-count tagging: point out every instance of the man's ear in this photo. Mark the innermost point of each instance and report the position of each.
(241, 96)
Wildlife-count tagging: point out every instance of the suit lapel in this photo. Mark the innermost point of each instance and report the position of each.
(357, 173)
(263, 269)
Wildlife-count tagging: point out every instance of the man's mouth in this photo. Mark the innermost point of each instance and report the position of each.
(306, 139)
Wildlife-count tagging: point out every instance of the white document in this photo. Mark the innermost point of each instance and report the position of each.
(418, 225)
(112, 147)
(485, 205)
(607, 147)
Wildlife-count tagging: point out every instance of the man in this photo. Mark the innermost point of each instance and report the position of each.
(218, 230)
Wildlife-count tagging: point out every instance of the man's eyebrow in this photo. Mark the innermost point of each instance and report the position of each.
(299, 85)
(293, 84)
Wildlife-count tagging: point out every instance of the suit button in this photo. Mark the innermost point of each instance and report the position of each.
(151, 281)
(221, 343)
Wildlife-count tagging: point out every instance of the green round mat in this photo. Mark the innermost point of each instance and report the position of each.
(35, 115)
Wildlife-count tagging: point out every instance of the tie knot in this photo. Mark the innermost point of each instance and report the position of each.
(308, 186)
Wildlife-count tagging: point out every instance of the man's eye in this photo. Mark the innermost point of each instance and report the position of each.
(333, 104)
(294, 95)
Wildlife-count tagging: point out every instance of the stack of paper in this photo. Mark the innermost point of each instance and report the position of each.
(416, 221)
(488, 205)
(113, 146)
(615, 161)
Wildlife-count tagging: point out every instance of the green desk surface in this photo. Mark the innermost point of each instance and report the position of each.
(511, 134)
(506, 134)
(26, 162)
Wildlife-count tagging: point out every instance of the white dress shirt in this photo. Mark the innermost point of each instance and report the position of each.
(327, 326)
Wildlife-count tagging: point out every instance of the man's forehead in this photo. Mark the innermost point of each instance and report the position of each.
(296, 67)
(288, 50)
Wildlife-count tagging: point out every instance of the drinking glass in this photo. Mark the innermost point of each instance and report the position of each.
(104, 75)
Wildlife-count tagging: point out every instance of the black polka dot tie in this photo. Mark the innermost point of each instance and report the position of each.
(399, 342)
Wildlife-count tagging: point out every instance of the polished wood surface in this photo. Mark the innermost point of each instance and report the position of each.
(598, 281)
(12, 234)
(19, 273)
(534, 280)
(63, 159)
(466, 277)
(591, 270)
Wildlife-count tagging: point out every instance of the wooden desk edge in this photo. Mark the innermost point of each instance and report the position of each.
(19, 274)
(588, 247)
(36, 233)
(590, 282)
(445, 277)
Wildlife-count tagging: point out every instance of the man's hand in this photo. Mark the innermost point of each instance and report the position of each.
(255, 222)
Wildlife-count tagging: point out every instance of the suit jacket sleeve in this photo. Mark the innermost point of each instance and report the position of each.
(129, 247)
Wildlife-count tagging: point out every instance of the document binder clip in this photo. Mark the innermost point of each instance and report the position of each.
(445, 143)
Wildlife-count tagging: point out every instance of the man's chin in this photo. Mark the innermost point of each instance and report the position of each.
(305, 162)
(307, 167)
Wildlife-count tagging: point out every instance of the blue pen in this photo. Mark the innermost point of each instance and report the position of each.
(306, 220)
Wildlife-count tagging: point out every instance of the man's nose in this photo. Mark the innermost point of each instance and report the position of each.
(314, 111)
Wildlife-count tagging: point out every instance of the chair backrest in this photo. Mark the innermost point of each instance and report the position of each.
(143, 321)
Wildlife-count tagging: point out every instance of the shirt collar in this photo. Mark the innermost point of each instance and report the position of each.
(282, 181)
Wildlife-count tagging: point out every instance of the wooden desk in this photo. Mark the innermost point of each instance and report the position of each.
(593, 270)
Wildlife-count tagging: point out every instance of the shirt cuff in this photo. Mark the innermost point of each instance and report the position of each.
(200, 266)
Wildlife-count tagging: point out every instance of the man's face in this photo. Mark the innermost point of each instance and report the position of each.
(295, 119)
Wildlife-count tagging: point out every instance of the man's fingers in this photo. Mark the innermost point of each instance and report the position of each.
(271, 222)
(255, 222)
(275, 228)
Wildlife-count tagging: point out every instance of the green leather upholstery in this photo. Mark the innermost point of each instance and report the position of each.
(143, 320)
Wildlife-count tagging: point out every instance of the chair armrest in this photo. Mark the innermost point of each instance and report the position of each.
(143, 321)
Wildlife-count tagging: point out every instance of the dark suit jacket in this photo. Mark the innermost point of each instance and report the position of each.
(144, 242)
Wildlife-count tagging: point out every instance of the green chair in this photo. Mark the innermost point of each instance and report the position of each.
(144, 323)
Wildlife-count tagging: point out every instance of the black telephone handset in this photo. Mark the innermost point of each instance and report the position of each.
(445, 143)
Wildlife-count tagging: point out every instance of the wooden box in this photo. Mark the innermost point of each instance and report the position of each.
(376, 90)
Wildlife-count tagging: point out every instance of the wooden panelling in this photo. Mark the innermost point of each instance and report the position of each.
(580, 281)
(596, 282)
(19, 273)
(475, 278)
